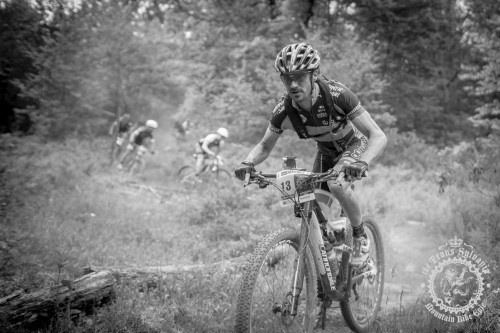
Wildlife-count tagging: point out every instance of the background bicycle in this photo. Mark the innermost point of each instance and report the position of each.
(279, 289)
(135, 164)
(212, 169)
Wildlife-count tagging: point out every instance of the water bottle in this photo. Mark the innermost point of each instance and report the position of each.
(332, 258)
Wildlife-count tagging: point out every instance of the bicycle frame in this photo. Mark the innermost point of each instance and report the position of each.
(311, 235)
(313, 223)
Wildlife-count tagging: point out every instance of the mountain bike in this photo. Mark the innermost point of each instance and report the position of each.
(211, 170)
(136, 163)
(279, 287)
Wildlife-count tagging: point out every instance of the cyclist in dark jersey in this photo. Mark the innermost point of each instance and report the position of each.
(348, 146)
(141, 140)
(121, 128)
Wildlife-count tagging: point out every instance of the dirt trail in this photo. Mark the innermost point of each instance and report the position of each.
(407, 247)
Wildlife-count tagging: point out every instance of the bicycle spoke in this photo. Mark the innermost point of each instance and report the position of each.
(364, 303)
(269, 305)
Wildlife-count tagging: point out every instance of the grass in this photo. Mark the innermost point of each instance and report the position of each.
(63, 210)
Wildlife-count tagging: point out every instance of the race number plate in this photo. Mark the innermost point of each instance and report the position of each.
(288, 180)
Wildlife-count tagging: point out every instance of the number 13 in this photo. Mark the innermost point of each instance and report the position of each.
(286, 185)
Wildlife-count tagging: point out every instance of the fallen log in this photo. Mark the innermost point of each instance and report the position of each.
(94, 289)
(127, 272)
(33, 309)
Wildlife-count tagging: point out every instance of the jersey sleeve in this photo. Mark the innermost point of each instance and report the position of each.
(278, 116)
(346, 100)
(210, 139)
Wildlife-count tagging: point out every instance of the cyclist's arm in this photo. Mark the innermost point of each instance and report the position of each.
(208, 140)
(112, 128)
(262, 150)
(150, 144)
(376, 137)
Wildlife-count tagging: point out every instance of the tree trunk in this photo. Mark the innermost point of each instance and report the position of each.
(35, 309)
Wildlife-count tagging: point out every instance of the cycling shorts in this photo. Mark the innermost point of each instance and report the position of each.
(141, 150)
(323, 162)
(121, 138)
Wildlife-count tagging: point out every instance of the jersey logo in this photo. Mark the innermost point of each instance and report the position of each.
(355, 109)
(280, 107)
(275, 130)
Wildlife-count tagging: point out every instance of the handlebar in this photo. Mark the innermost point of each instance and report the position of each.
(263, 179)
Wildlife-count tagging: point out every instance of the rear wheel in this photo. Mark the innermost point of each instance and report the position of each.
(264, 300)
(360, 311)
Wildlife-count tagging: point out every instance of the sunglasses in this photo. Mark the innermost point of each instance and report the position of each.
(298, 77)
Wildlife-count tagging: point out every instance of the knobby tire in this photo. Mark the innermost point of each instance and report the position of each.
(185, 172)
(223, 175)
(360, 314)
(266, 282)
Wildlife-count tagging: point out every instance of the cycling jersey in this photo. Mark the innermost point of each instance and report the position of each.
(212, 140)
(124, 126)
(140, 135)
(332, 137)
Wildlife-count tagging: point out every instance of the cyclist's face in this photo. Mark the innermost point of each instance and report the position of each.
(298, 84)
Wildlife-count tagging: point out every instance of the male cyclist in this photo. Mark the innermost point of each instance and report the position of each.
(348, 141)
(209, 147)
(121, 126)
(182, 128)
(141, 140)
(120, 129)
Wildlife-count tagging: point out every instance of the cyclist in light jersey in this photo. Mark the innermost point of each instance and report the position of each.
(209, 146)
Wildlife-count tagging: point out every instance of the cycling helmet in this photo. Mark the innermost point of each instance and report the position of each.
(297, 57)
(152, 123)
(223, 132)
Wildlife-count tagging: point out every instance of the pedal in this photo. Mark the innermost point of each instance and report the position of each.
(366, 270)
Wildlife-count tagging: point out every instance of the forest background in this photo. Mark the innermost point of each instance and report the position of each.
(427, 71)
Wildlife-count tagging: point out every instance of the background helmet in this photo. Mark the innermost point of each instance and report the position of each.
(152, 123)
(223, 132)
(297, 57)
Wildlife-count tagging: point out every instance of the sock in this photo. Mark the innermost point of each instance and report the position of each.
(359, 231)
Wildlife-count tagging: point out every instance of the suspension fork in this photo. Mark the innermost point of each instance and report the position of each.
(299, 263)
(311, 233)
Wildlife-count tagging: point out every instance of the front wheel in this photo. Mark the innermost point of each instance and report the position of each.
(264, 301)
(136, 166)
(223, 175)
(186, 173)
(363, 305)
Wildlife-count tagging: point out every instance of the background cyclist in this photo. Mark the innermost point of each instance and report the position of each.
(348, 144)
(209, 147)
(120, 130)
(121, 126)
(182, 128)
(141, 140)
